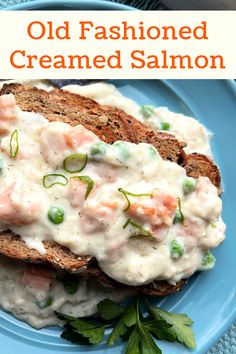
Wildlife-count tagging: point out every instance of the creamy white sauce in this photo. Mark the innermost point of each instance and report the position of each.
(132, 261)
(186, 129)
(23, 301)
(95, 225)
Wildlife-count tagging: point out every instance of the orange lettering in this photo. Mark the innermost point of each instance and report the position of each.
(12, 59)
(42, 30)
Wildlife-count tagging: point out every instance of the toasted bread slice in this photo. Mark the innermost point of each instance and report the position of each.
(200, 165)
(110, 124)
(156, 288)
(56, 255)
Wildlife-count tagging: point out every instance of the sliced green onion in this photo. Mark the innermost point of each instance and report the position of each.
(75, 163)
(125, 193)
(139, 227)
(189, 185)
(176, 249)
(88, 181)
(179, 217)
(54, 178)
(165, 126)
(213, 224)
(71, 284)
(147, 110)
(56, 215)
(208, 260)
(45, 303)
(14, 144)
(122, 150)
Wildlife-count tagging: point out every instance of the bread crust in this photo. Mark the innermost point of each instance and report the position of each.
(56, 255)
(110, 124)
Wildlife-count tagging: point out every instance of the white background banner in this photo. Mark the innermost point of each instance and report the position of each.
(118, 44)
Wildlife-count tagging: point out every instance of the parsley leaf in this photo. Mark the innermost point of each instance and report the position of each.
(133, 343)
(74, 337)
(128, 319)
(130, 316)
(159, 329)
(108, 310)
(141, 341)
(181, 325)
(93, 331)
(118, 331)
(131, 326)
(80, 331)
(147, 343)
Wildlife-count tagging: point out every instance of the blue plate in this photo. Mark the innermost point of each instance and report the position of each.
(209, 298)
(70, 5)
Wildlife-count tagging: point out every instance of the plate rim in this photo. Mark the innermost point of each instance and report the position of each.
(36, 3)
(231, 89)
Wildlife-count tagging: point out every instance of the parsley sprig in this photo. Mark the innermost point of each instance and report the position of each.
(131, 326)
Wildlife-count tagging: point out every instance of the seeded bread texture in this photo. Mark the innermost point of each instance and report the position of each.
(56, 255)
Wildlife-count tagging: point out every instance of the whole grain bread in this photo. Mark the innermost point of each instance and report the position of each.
(110, 124)
(56, 255)
(156, 288)
(200, 165)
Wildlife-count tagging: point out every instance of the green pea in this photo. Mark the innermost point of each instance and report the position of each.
(208, 260)
(165, 126)
(56, 215)
(122, 150)
(71, 284)
(45, 303)
(147, 110)
(176, 249)
(189, 185)
(99, 149)
(152, 152)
